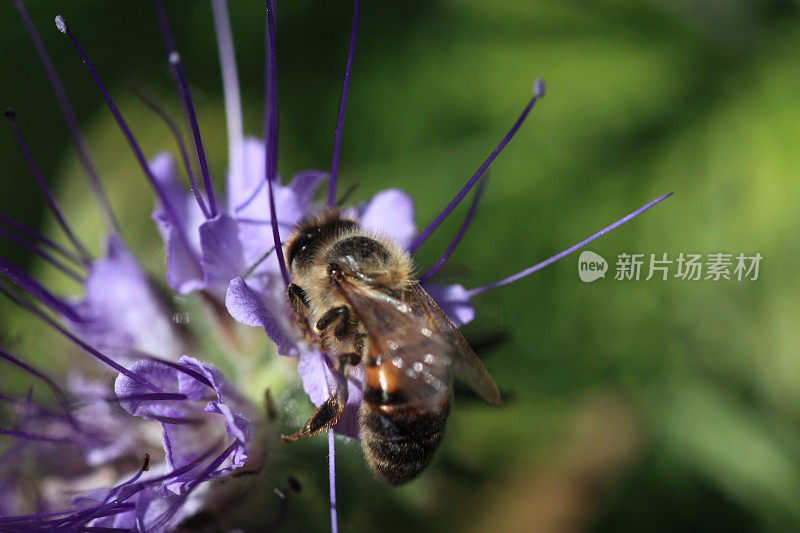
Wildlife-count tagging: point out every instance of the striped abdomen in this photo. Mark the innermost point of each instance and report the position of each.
(399, 434)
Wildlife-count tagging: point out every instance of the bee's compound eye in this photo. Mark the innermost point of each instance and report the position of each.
(301, 244)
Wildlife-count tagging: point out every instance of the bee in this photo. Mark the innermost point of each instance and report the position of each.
(354, 295)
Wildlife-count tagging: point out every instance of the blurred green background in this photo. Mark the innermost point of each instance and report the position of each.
(631, 405)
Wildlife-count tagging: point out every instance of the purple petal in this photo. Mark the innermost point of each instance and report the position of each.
(160, 375)
(120, 308)
(107, 436)
(390, 213)
(247, 306)
(222, 256)
(243, 189)
(454, 301)
(183, 273)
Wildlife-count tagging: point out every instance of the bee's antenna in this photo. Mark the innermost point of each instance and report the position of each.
(538, 92)
(337, 137)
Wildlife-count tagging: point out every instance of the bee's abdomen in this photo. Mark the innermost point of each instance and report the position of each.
(399, 440)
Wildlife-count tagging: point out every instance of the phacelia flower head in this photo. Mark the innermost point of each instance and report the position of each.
(228, 248)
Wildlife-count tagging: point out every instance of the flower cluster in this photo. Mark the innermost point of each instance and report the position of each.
(227, 249)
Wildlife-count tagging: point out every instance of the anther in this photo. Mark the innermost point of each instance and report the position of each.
(538, 88)
(61, 24)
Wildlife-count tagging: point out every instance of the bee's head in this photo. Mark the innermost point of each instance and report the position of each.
(307, 240)
(369, 260)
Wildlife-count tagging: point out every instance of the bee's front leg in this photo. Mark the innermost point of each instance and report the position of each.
(337, 319)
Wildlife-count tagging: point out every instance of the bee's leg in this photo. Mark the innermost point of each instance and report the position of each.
(329, 412)
(339, 318)
(298, 301)
(325, 416)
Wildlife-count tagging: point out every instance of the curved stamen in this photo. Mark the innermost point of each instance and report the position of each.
(159, 110)
(24, 281)
(35, 436)
(182, 86)
(137, 151)
(200, 478)
(271, 134)
(36, 236)
(461, 231)
(230, 88)
(44, 255)
(59, 393)
(564, 253)
(72, 122)
(48, 195)
(337, 138)
(538, 92)
(180, 368)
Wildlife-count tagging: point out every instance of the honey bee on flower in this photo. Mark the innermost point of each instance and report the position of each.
(333, 286)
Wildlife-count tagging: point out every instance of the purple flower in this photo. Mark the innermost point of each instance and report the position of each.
(205, 436)
(198, 411)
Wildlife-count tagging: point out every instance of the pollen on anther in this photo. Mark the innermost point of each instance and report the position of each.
(61, 25)
(538, 88)
(174, 58)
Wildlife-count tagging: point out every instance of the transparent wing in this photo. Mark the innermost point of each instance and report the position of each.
(466, 364)
(415, 336)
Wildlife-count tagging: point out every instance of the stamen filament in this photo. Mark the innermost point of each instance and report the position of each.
(271, 134)
(35, 436)
(332, 480)
(182, 86)
(337, 138)
(159, 109)
(180, 368)
(44, 255)
(538, 92)
(137, 151)
(72, 122)
(35, 235)
(59, 393)
(24, 281)
(564, 253)
(461, 231)
(230, 88)
(48, 195)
